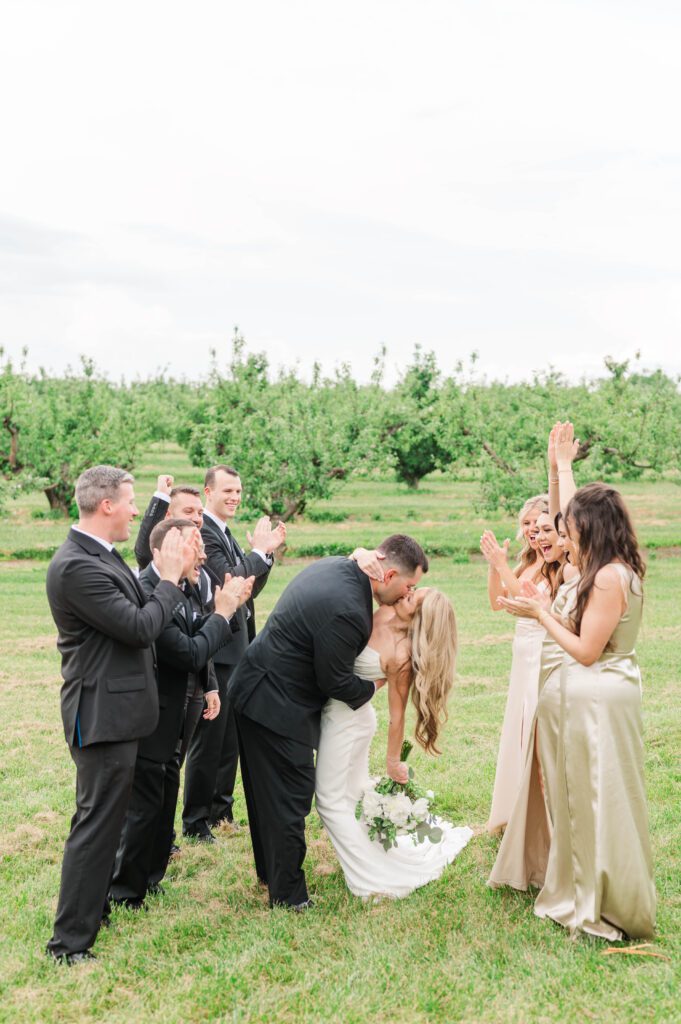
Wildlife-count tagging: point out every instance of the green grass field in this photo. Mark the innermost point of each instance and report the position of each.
(210, 950)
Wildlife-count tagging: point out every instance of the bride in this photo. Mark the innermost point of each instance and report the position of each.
(413, 647)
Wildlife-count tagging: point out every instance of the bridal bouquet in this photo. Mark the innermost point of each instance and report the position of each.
(391, 809)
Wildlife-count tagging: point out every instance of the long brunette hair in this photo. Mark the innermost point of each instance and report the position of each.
(606, 535)
(528, 555)
(433, 658)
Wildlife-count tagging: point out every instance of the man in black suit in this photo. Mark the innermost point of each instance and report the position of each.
(109, 699)
(181, 502)
(183, 651)
(213, 754)
(304, 656)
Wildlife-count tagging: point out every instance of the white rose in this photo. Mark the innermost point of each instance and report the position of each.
(420, 809)
(372, 805)
(399, 811)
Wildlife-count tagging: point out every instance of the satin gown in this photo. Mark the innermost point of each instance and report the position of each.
(599, 875)
(521, 704)
(342, 774)
(524, 851)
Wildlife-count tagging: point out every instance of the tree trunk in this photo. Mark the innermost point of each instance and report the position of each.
(59, 497)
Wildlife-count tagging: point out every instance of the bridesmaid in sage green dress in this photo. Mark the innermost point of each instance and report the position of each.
(599, 876)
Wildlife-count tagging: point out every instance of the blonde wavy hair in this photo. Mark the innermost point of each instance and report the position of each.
(433, 657)
(528, 555)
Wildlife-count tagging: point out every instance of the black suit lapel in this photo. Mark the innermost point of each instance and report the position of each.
(116, 561)
(125, 572)
(184, 615)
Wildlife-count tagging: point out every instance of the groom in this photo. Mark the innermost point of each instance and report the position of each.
(303, 657)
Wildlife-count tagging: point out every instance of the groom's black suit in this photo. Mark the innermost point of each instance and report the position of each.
(109, 701)
(302, 657)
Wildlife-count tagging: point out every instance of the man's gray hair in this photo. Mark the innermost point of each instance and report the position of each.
(98, 483)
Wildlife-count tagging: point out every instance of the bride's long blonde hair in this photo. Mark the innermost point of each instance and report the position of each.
(433, 657)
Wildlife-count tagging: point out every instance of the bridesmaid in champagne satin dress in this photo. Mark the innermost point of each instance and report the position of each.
(524, 851)
(598, 877)
(521, 701)
(602, 815)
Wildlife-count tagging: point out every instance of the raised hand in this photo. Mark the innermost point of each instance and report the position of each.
(266, 539)
(164, 484)
(551, 452)
(169, 559)
(212, 708)
(566, 445)
(369, 562)
(495, 555)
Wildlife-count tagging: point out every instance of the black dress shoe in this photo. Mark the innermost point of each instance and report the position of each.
(128, 902)
(72, 958)
(203, 835)
(224, 819)
(174, 850)
(300, 908)
(297, 908)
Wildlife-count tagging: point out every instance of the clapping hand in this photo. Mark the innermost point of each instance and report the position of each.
(235, 591)
(170, 558)
(523, 607)
(369, 562)
(531, 590)
(266, 539)
(494, 554)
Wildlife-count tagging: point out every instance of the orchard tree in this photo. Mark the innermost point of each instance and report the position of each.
(292, 442)
(57, 427)
(413, 423)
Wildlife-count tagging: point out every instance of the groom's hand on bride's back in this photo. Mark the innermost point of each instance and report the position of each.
(379, 683)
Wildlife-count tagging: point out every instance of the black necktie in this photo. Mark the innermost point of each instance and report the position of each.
(233, 547)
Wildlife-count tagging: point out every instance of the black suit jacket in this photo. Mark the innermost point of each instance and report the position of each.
(208, 581)
(221, 549)
(305, 653)
(107, 628)
(156, 511)
(185, 646)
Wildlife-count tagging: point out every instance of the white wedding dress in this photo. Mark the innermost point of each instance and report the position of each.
(342, 775)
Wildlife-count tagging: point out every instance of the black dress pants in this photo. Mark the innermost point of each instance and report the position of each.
(104, 776)
(278, 778)
(137, 846)
(212, 761)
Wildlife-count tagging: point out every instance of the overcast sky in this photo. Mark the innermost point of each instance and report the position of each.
(330, 177)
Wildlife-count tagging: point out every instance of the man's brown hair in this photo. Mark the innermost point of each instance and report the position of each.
(185, 489)
(209, 479)
(404, 553)
(158, 534)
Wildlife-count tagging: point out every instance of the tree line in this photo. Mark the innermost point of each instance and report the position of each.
(295, 441)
